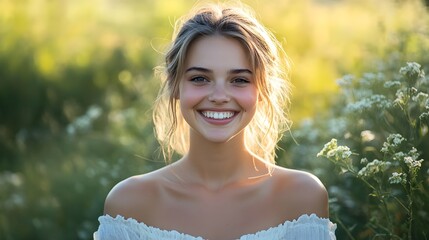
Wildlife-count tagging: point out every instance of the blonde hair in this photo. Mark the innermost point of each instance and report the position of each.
(268, 61)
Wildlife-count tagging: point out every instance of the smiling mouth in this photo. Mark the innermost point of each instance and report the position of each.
(218, 115)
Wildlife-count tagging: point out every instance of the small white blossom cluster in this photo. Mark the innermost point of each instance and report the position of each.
(392, 84)
(367, 136)
(392, 143)
(412, 161)
(370, 79)
(399, 156)
(374, 167)
(398, 178)
(84, 122)
(401, 98)
(378, 101)
(413, 164)
(363, 93)
(425, 113)
(346, 81)
(328, 147)
(411, 97)
(15, 199)
(332, 151)
(421, 97)
(337, 126)
(391, 146)
(412, 71)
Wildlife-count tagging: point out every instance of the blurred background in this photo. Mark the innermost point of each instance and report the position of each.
(77, 87)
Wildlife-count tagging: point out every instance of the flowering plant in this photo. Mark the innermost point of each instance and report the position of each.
(389, 139)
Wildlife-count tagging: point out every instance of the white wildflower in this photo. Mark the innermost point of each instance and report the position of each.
(328, 147)
(421, 97)
(408, 160)
(414, 153)
(413, 164)
(337, 126)
(397, 178)
(368, 79)
(367, 136)
(400, 97)
(393, 141)
(334, 152)
(373, 167)
(412, 70)
(345, 81)
(424, 115)
(94, 112)
(397, 156)
(376, 101)
(84, 122)
(344, 152)
(392, 84)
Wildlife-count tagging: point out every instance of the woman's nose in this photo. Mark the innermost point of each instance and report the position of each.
(219, 93)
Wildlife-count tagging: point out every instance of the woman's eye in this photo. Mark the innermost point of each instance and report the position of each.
(199, 80)
(240, 81)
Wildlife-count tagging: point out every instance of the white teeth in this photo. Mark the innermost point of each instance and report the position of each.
(218, 115)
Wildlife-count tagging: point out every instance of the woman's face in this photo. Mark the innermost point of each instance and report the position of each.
(218, 92)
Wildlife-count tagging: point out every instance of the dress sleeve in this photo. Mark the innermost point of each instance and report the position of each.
(313, 228)
(320, 232)
(112, 230)
(305, 228)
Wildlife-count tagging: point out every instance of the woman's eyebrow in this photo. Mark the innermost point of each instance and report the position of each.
(232, 71)
(199, 69)
(237, 71)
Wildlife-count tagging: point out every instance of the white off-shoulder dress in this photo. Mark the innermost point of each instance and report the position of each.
(306, 227)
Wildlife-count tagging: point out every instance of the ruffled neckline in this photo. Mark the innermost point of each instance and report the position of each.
(303, 219)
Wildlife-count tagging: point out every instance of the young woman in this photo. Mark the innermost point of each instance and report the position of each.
(222, 107)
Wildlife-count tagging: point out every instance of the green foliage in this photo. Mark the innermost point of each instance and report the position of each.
(75, 94)
(384, 121)
(379, 192)
(394, 173)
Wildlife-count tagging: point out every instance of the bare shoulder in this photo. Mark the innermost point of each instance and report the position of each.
(302, 190)
(132, 197)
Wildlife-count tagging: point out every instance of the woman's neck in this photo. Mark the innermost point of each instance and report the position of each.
(216, 165)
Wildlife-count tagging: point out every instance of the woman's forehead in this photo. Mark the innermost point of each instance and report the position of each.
(217, 52)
